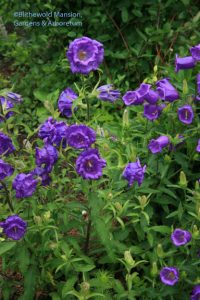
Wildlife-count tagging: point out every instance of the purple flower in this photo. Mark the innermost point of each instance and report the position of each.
(198, 83)
(15, 98)
(80, 136)
(152, 111)
(157, 145)
(195, 52)
(166, 90)
(136, 97)
(25, 185)
(5, 169)
(85, 55)
(54, 132)
(182, 63)
(46, 157)
(6, 146)
(185, 114)
(107, 93)
(195, 293)
(152, 96)
(180, 237)
(169, 275)
(8, 105)
(89, 164)
(14, 227)
(65, 102)
(198, 146)
(134, 172)
(42, 174)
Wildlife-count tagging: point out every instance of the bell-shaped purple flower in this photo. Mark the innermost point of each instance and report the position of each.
(186, 114)
(14, 227)
(195, 52)
(25, 185)
(107, 93)
(195, 295)
(182, 63)
(198, 146)
(80, 136)
(65, 102)
(169, 275)
(134, 172)
(46, 157)
(5, 169)
(198, 83)
(42, 174)
(152, 96)
(53, 131)
(85, 55)
(136, 97)
(6, 146)
(89, 164)
(8, 105)
(166, 90)
(13, 97)
(180, 237)
(152, 111)
(157, 145)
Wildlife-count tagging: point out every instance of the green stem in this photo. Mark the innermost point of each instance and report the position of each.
(88, 109)
(7, 196)
(86, 247)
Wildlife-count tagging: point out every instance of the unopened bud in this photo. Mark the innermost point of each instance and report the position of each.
(125, 121)
(85, 286)
(47, 215)
(160, 251)
(182, 180)
(128, 258)
(154, 269)
(143, 201)
(37, 220)
(118, 206)
(195, 232)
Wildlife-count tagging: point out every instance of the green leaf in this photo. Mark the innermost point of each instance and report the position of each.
(161, 229)
(6, 246)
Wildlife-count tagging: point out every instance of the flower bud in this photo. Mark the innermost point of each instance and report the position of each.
(154, 269)
(160, 251)
(195, 232)
(183, 180)
(47, 215)
(128, 258)
(125, 121)
(37, 220)
(143, 201)
(118, 206)
(85, 286)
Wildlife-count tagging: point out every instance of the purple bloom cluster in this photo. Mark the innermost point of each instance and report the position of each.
(180, 237)
(80, 136)
(53, 131)
(14, 227)
(89, 164)
(134, 172)
(25, 185)
(65, 102)
(136, 97)
(107, 93)
(6, 145)
(5, 169)
(166, 90)
(85, 55)
(157, 145)
(169, 275)
(195, 295)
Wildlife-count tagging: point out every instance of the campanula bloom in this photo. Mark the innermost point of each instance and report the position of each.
(46, 157)
(152, 111)
(80, 136)
(8, 105)
(182, 63)
(166, 90)
(13, 97)
(14, 227)
(198, 83)
(85, 55)
(169, 275)
(5, 169)
(180, 237)
(152, 96)
(6, 145)
(107, 93)
(43, 175)
(198, 146)
(65, 102)
(136, 97)
(134, 172)
(25, 185)
(157, 145)
(89, 164)
(185, 114)
(195, 52)
(195, 295)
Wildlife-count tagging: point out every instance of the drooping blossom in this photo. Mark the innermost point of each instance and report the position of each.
(5, 169)
(182, 63)
(186, 114)
(195, 52)
(85, 55)
(166, 90)
(65, 102)
(89, 164)
(108, 93)
(14, 227)
(136, 97)
(169, 275)
(6, 145)
(152, 111)
(134, 172)
(195, 295)
(156, 145)
(13, 97)
(180, 237)
(25, 185)
(80, 136)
